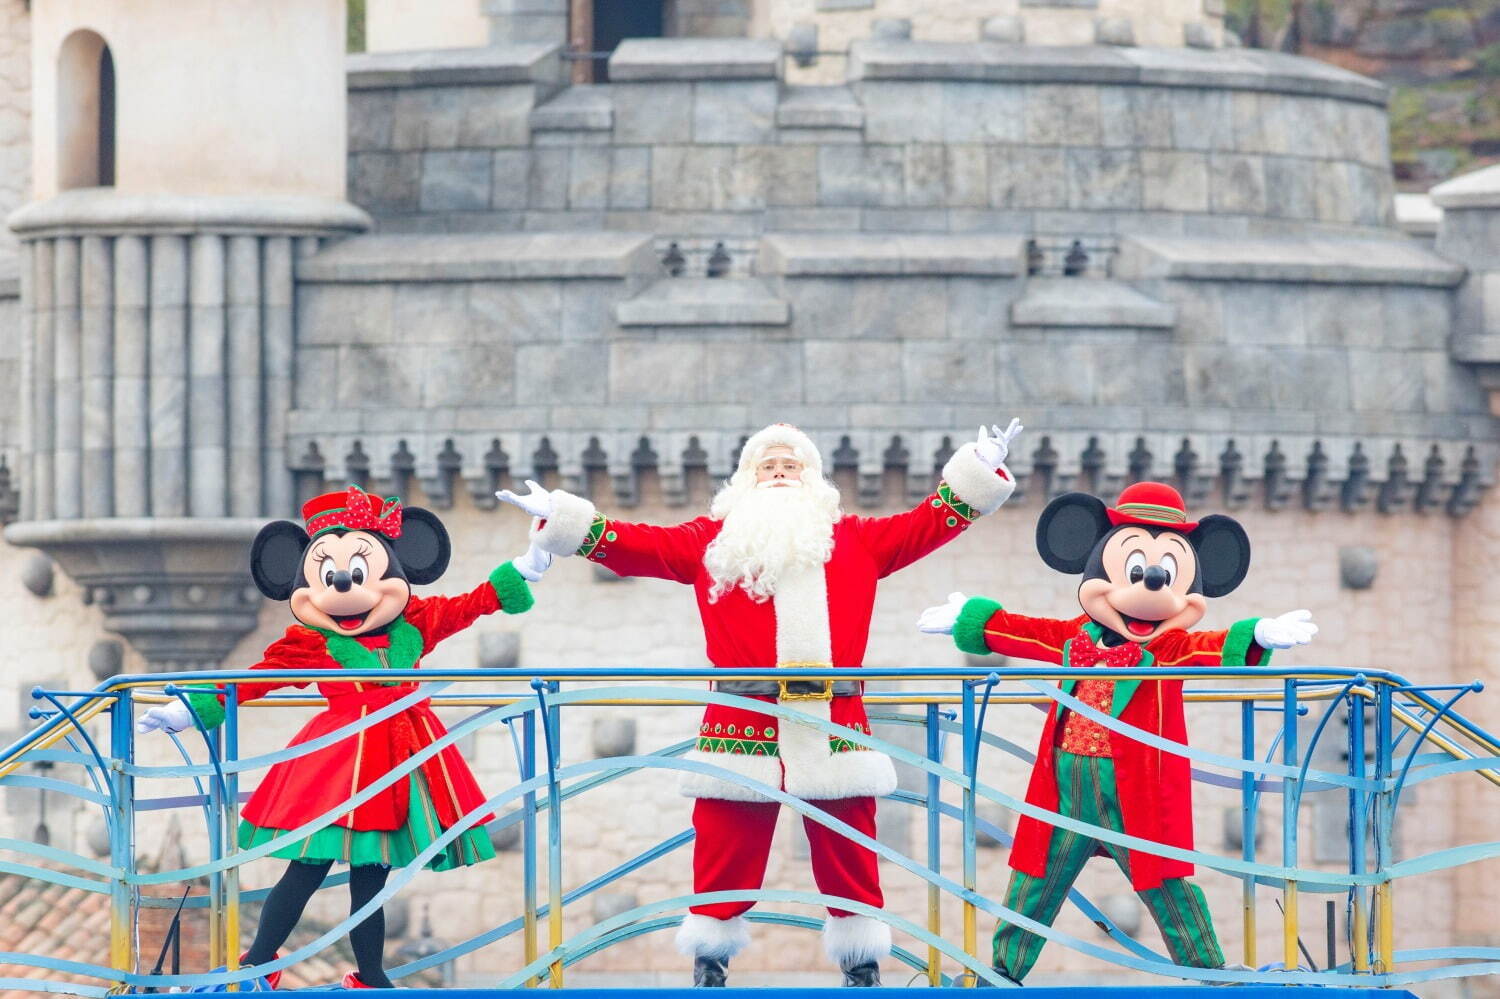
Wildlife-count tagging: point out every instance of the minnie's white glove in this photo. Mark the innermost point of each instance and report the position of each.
(993, 445)
(532, 564)
(537, 502)
(940, 620)
(173, 716)
(1292, 628)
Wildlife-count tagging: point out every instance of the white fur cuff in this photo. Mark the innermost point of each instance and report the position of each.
(568, 527)
(704, 936)
(854, 940)
(766, 769)
(975, 482)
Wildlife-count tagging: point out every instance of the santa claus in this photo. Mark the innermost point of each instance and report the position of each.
(783, 579)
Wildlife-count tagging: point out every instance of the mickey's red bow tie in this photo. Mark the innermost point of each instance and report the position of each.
(1084, 653)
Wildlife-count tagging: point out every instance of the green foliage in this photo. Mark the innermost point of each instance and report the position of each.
(1487, 62)
(356, 31)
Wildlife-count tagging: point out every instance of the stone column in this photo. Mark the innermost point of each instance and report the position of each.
(1469, 234)
(158, 375)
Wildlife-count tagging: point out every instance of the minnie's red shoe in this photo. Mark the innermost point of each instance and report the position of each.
(274, 978)
(351, 981)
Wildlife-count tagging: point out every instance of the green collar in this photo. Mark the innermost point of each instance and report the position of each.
(406, 648)
(1124, 689)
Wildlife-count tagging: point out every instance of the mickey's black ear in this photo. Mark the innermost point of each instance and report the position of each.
(276, 558)
(1223, 550)
(423, 547)
(1069, 528)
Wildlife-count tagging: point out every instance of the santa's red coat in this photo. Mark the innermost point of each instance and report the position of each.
(1155, 786)
(298, 790)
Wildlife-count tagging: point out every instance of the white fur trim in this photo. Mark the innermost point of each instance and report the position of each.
(857, 773)
(975, 482)
(766, 769)
(781, 434)
(566, 529)
(852, 940)
(705, 936)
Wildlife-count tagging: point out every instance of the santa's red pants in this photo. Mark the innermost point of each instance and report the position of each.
(734, 842)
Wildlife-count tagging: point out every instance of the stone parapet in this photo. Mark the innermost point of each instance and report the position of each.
(1315, 261)
(639, 59)
(534, 63)
(367, 259)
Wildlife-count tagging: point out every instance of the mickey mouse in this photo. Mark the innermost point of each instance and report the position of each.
(1148, 573)
(348, 577)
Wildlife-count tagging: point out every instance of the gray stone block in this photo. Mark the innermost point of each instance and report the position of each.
(510, 188)
(430, 313)
(1027, 177)
(734, 112)
(1138, 117)
(1202, 119)
(861, 176)
(704, 302)
(966, 176)
(845, 4)
(455, 181)
(371, 117)
(791, 176)
(689, 178)
(1249, 129)
(948, 371)
(374, 378)
(1174, 182)
(842, 255)
(578, 109)
(386, 182)
(1114, 31)
(1103, 179)
(659, 371)
(891, 29)
(1378, 385)
(841, 371)
(629, 177)
(1236, 184)
(1089, 303)
(1253, 317)
(588, 177)
(978, 307)
(819, 107)
(696, 59)
(1006, 29)
(754, 371)
(926, 176)
(1290, 187)
(492, 64)
(1065, 374)
(339, 314)
(1062, 114)
(547, 180)
(1197, 35)
(469, 376)
(515, 311)
(905, 111)
(982, 112)
(911, 220)
(548, 376)
(588, 309)
(462, 117)
(652, 113)
(1347, 317)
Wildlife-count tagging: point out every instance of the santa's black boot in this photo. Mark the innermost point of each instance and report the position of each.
(865, 975)
(709, 973)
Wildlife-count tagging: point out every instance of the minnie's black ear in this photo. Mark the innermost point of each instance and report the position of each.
(1223, 550)
(423, 547)
(276, 558)
(1068, 530)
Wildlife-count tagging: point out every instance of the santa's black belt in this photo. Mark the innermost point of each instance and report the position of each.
(790, 690)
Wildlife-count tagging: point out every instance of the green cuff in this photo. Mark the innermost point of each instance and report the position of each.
(968, 630)
(1238, 642)
(208, 707)
(511, 589)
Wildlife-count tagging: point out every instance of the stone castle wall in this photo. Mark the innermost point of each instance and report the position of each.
(15, 116)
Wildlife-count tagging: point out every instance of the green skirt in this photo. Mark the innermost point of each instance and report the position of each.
(391, 848)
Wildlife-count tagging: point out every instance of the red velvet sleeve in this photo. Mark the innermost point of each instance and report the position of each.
(899, 540)
(299, 648)
(984, 626)
(1234, 647)
(627, 549)
(439, 617)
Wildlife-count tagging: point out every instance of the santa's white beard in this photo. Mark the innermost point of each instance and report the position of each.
(769, 533)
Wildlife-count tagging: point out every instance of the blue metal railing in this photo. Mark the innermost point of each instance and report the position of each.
(97, 728)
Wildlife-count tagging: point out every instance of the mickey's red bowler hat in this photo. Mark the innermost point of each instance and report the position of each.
(1154, 504)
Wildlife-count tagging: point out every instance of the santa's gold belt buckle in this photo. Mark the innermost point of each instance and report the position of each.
(823, 688)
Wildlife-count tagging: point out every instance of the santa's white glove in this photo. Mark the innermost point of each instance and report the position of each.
(993, 444)
(1292, 628)
(537, 502)
(940, 620)
(173, 716)
(532, 564)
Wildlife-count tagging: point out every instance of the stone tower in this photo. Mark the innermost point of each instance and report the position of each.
(172, 198)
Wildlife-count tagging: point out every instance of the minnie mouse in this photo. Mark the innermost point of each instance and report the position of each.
(1148, 573)
(348, 578)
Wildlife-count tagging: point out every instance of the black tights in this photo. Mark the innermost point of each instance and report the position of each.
(289, 897)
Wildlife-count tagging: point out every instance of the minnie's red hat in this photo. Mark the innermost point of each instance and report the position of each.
(1154, 504)
(353, 510)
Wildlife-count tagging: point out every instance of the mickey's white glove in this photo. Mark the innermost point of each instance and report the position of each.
(532, 564)
(1292, 628)
(173, 716)
(994, 444)
(940, 620)
(537, 502)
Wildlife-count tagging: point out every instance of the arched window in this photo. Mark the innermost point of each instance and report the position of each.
(85, 112)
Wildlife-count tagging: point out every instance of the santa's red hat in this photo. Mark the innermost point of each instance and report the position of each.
(780, 435)
(1154, 504)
